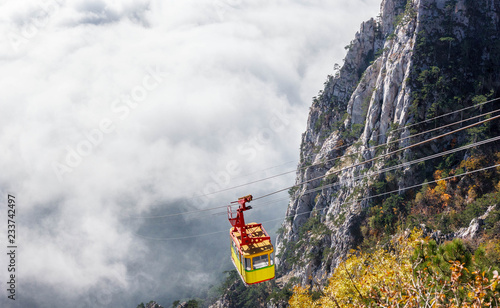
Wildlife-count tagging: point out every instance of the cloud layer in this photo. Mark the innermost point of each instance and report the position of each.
(119, 109)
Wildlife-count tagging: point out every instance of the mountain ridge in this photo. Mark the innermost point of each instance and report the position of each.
(388, 56)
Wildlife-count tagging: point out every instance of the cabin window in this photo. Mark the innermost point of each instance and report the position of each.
(236, 251)
(260, 261)
(248, 266)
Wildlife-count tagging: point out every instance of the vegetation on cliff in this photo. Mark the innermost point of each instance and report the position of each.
(412, 271)
(455, 64)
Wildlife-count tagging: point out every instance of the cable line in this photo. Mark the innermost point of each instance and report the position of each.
(384, 155)
(336, 148)
(371, 148)
(453, 112)
(177, 214)
(352, 166)
(177, 238)
(394, 191)
(397, 140)
(266, 169)
(428, 120)
(405, 164)
(317, 210)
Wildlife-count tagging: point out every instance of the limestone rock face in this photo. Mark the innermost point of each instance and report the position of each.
(363, 107)
(473, 230)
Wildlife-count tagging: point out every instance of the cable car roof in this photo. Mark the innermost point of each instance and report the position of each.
(254, 248)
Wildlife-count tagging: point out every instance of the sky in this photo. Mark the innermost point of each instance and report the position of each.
(118, 113)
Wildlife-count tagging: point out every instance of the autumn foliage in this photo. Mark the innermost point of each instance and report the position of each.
(413, 272)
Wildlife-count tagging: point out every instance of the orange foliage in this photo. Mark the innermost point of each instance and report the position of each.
(392, 278)
(473, 163)
(437, 195)
(472, 192)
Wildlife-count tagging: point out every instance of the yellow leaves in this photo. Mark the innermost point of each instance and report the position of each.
(456, 271)
(438, 174)
(441, 187)
(497, 155)
(473, 163)
(446, 199)
(301, 298)
(439, 192)
(471, 193)
(394, 279)
(433, 198)
(356, 277)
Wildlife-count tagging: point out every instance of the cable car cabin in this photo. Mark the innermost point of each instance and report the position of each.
(251, 248)
(254, 262)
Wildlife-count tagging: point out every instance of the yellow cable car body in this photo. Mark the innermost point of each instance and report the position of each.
(254, 262)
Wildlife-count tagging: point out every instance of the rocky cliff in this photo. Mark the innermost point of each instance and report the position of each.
(371, 158)
(418, 60)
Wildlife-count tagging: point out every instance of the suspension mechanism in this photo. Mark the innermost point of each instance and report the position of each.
(240, 229)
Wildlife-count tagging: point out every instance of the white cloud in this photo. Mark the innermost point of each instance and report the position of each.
(230, 96)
